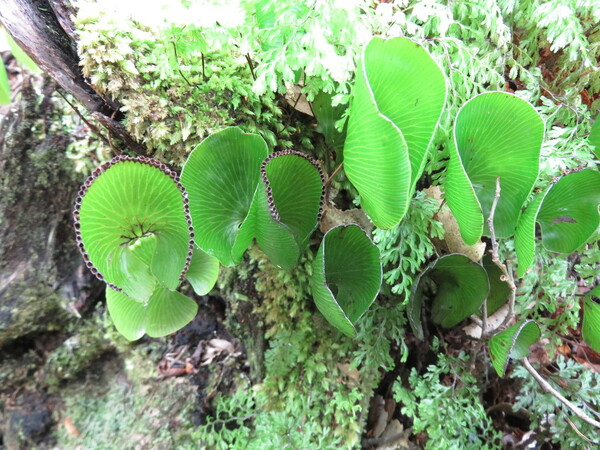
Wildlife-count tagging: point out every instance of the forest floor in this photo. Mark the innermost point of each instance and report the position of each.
(82, 386)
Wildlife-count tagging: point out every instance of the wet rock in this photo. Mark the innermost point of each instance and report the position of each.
(28, 419)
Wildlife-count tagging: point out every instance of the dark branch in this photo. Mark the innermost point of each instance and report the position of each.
(34, 25)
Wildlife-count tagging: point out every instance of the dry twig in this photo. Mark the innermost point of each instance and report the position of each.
(506, 270)
(579, 433)
(335, 172)
(549, 389)
(90, 125)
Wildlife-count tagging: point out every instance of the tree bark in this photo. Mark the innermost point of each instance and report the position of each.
(41, 272)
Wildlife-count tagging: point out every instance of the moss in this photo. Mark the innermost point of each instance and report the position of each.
(36, 257)
(172, 101)
(16, 369)
(77, 352)
(32, 310)
(309, 394)
(236, 287)
(126, 403)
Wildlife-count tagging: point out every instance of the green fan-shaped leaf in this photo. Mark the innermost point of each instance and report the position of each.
(164, 313)
(289, 207)
(231, 206)
(525, 234)
(132, 226)
(169, 311)
(569, 213)
(594, 137)
(496, 135)
(274, 238)
(398, 97)
(131, 274)
(4, 86)
(203, 272)
(21, 56)
(513, 342)
(129, 316)
(144, 248)
(591, 319)
(462, 286)
(415, 303)
(221, 176)
(346, 276)
(410, 89)
(462, 200)
(499, 289)
(376, 158)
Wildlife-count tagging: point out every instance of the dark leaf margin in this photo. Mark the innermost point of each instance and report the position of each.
(97, 173)
(265, 179)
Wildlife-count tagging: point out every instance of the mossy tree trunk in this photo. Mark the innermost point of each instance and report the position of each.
(43, 29)
(41, 272)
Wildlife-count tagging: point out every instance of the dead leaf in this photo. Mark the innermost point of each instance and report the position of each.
(189, 368)
(394, 428)
(70, 427)
(493, 322)
(538, 353)
(588, 357)
(350, 373)
(297, 99)
(453, 242)
(332, 217)
(214, 348)
(564, 350)
(390, 406)
(377, 417)
(174, 372)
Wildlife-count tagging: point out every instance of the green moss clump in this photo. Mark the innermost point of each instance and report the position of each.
(174, 98)
(16, 370)
(134, 412)
(77, 353)
(38, 181)
(309, 393)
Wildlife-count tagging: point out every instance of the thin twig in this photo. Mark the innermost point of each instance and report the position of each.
(587, 72)
(495, 258)
(546, 386)
(250, 65)
(484, 318)
(179, 67)
(119, 131)
(477, 320)
(490, 222)
(90, 125)
(507, 275)
(581, 435)
(513, 295)
(335, 172)
(594, 412)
